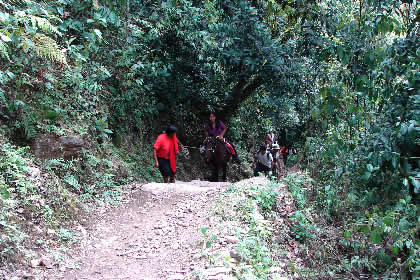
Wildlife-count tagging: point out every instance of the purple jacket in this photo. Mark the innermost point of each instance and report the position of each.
(220, 126)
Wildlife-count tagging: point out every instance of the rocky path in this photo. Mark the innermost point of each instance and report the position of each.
(155, 235)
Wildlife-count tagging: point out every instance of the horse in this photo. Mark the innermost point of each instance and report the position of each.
(217, 156)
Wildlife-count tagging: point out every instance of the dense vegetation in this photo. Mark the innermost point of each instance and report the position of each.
(337, 79)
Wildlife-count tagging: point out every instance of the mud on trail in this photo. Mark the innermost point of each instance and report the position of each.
(154, 235)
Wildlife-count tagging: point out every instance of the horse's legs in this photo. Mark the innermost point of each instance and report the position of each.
(215, 173)
(224, 169)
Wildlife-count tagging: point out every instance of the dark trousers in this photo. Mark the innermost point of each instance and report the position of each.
(261, 168)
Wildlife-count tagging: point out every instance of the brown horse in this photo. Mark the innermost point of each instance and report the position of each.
(217, 156)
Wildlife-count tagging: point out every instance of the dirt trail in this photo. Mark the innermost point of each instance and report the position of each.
(152, 236)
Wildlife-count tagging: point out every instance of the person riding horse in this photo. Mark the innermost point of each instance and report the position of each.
(216, 128)
(216, 150)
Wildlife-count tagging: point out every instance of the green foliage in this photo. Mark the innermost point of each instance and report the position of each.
(208, 238)
(13, 184)
(66, 236)
(13, 167)
(361, 149)
(247, 212)
(339, 78)
(259, 256)
(298, 185)
(265, 196)
(255, 247)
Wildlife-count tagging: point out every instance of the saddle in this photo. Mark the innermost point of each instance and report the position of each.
(228, 146)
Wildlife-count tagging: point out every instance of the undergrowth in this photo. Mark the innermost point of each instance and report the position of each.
(350, 245)
(247, 212)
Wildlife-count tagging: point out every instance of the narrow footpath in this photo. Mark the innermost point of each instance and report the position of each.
(153, 236)
(156, 234)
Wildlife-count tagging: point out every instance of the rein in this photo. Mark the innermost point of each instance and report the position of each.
(191, 147)
(185, 152)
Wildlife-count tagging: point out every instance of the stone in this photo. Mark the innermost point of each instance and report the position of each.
(37, 229)
(41, 202)
(26, 275)
(159, 226)
(232, 239)
(46, 146)
(233, 254)
(215, 271)
(46, 262)
(82, 230)
(35, 263)
(50, 146)
(177, 276)
(72, 146)
(35, 172)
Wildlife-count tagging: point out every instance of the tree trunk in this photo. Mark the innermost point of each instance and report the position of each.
(243, 89)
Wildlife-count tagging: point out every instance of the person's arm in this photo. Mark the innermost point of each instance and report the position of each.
(179, 143)
(155, 157)
(224, 129)
(254, 163)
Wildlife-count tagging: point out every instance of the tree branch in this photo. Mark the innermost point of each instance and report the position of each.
(243, 89)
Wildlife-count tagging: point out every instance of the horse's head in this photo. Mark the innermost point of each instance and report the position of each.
(208, 148)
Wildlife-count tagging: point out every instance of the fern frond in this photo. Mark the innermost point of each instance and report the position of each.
(4, 50)
(28, 125)
(44, 24)
(46, 47)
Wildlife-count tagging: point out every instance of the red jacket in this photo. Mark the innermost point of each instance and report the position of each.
(167, 148)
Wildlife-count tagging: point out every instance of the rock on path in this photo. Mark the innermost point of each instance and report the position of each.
(153, 236)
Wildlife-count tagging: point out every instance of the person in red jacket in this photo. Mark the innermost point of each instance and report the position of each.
(164, 151)
(285, 152)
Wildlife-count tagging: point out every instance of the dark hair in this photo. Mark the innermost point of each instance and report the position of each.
(217, 121)
(170, 129)
(263, 147)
